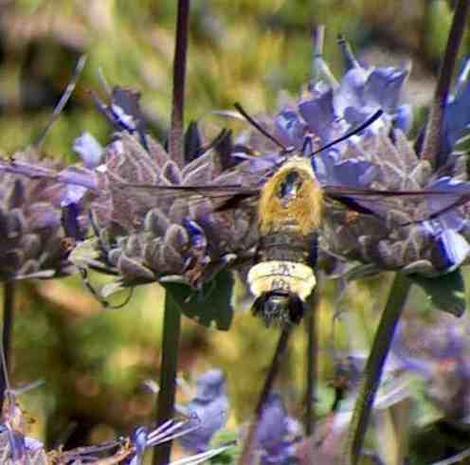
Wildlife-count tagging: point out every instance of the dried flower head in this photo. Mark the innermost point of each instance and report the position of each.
(147, 233)
(36, 218)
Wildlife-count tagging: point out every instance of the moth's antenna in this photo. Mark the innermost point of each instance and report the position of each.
(62, 102)
(354, 131)
(263, 131)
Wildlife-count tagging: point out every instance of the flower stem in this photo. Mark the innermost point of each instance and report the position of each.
(246, 457)
(434, 127)
(172, 316)
(373, 370)
(176, 141)
(7, 330)
(168, 371)
(311, 361)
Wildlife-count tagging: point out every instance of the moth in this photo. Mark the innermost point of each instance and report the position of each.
(291, 205)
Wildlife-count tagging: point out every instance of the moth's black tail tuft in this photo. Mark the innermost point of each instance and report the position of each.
(279, 307)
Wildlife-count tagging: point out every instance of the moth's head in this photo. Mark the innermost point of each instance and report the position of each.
(295, 176)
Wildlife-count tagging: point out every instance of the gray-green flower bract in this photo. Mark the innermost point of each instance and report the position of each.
(31, 221)
(147, 233)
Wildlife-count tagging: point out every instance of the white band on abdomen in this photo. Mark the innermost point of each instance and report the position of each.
(293, 277)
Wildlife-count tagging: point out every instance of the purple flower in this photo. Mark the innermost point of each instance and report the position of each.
(330, 110)
(90, 150)
(439, 352)
(363, 91)
(276, 433)
(208, 411)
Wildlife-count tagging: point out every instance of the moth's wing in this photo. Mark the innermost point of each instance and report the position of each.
(404, 207)
(222, 197)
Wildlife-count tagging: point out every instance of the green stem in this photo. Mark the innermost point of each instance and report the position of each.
(168, 372)
(373, 370)
(311, 361)
(7, 331)
(246, 457)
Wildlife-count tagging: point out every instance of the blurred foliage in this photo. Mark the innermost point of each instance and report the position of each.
(94, 361)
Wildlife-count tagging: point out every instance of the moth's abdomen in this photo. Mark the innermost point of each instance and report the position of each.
(283, 278)
(290, 277)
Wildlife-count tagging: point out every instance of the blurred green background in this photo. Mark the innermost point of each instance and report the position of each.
(94, 361)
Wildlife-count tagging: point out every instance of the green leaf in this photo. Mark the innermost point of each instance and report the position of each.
(230, 456)
(446, 292)
(208, 306)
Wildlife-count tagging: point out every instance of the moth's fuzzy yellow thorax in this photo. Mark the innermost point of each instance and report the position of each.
(296, 204)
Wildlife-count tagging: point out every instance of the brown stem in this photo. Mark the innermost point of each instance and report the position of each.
(311, 361)
(172, 316)
(246, 457)
(176, 142)
(433, 135)
(7, 331)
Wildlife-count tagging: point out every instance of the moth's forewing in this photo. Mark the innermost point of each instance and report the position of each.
(399, 208)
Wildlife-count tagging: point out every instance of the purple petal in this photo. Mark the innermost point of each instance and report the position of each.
(452, 248)
(71, 223)
(350, 92)
(73, 194)
(197, 235)
(404, 118)
(384, 86)
(89, 149)
(289, 128)
(351, 173)
(453, 219)
(321, 116)
(209, 408)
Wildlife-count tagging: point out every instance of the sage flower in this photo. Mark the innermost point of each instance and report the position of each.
(391, 233)
(441, 358)
(33, 220)
(277, 433)
(146, 234)
(208, 411)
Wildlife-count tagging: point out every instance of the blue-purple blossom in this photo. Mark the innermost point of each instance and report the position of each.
(364, 90)
(90, 150)
(208, 411)
(276, 433)
(330, 109)
(439, 353)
